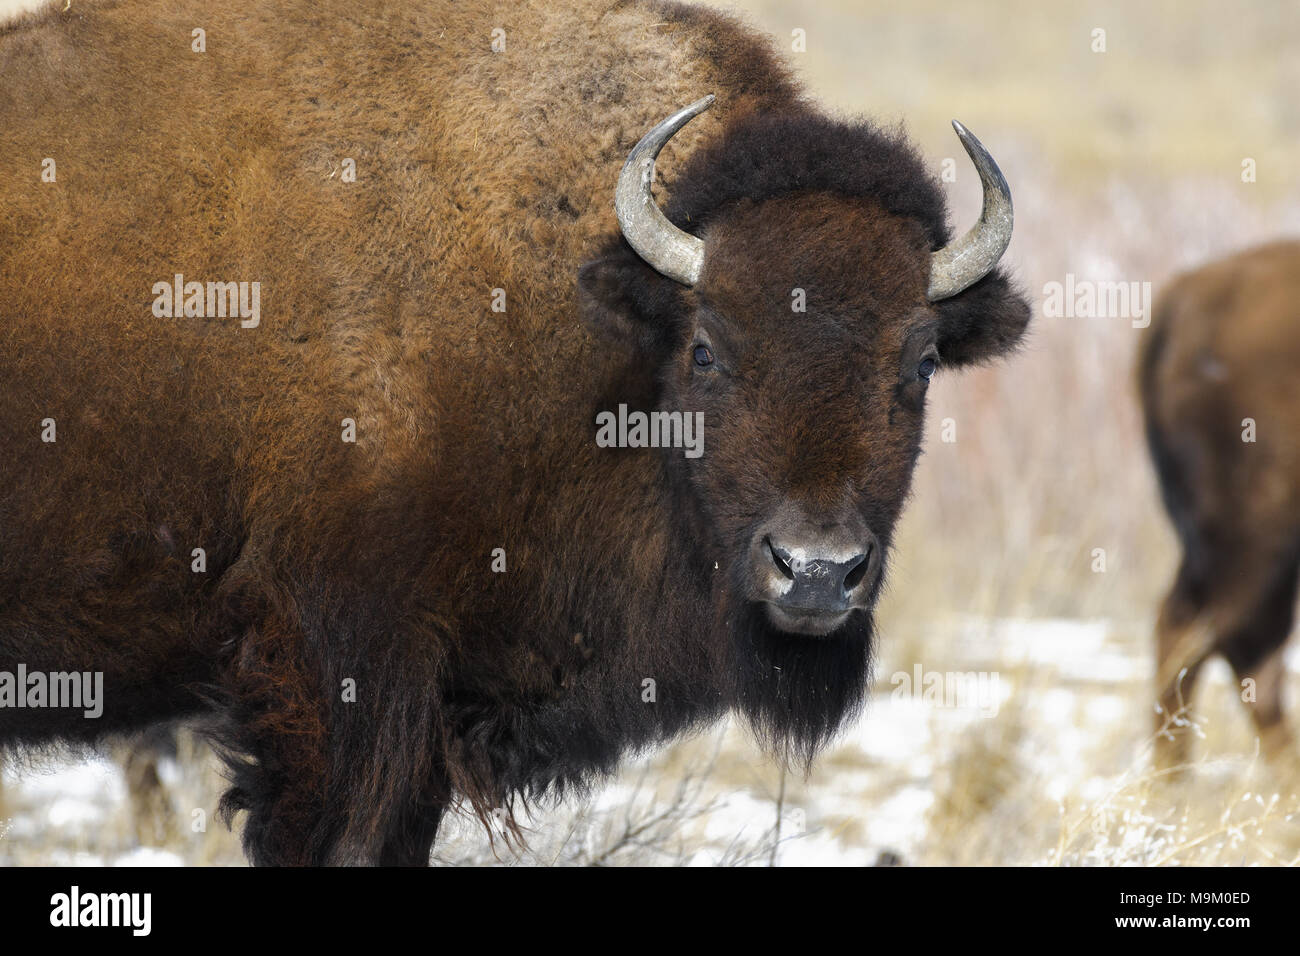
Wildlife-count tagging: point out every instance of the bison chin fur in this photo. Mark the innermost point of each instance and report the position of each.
(794, 691)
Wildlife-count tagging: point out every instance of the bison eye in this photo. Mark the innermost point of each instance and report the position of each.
(926, 369)
(703, 357)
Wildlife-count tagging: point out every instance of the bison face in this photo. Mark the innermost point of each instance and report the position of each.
(805, 322)
(808, 346)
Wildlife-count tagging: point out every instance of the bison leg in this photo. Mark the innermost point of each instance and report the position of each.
(299, 819)
(151, 812)
(1242, 605)
(1275, 737)
(409, 839)
(152, 816)
(1183, 642)
(325, 780)
(275, 743)
(1256, 649)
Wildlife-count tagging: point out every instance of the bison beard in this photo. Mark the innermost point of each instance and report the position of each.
(796, 693)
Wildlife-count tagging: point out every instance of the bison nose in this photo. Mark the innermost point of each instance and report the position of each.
(808, 578)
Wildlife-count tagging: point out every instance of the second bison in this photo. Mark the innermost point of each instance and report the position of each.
(1221, 402)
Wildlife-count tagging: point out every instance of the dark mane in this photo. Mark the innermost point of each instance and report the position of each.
(753, 160)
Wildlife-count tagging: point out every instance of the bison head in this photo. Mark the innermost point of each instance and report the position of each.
(802, 292)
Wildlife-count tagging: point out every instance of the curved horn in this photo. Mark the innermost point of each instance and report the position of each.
(961, 264)
(663, 246)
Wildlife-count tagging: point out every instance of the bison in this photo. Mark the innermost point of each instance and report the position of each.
(315, 314)
(1216, 378)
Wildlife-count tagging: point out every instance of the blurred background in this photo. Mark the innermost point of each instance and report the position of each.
(1126, 165)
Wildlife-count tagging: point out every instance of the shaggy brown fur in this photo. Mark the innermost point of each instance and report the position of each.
(371, 562)
(1223, 348)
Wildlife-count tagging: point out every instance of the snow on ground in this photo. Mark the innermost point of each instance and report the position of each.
(1064, 719)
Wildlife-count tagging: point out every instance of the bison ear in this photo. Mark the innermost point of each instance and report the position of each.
(623, 299)
(982, 322)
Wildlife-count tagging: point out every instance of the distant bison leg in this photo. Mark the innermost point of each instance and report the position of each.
(1256, 648)
(1276, 740)
(1229, 610)
(1183, 642)
(152, 817)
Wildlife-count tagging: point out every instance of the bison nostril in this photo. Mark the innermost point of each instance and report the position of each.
(779, 558)
(858, 572)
